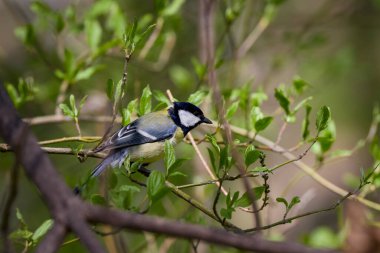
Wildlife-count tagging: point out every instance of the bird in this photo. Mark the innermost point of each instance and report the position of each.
(143, 140)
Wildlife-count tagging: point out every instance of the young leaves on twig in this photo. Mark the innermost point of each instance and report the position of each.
(26, 236)
(24, 92)
(72, 111)
(288, 206)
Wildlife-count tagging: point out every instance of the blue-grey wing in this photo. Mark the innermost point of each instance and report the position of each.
(149, 128)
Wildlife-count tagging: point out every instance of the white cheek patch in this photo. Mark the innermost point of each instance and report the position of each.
(188, 119)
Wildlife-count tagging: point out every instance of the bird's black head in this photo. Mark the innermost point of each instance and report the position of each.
(187, 116)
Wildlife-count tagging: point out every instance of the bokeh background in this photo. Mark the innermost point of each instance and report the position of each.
(333, 45)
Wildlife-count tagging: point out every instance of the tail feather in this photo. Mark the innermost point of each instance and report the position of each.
(101, 166)
(114, 159)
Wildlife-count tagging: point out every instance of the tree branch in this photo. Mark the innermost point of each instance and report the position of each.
(178, 229)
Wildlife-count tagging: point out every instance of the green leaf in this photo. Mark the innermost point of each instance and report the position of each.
(129, 37)
(375, 148)
(69, 64)
(118, 91)
(244, 200)
(200, 69)
(26, 34)
(340, 153)
(231, 110)
(42, 230)
(128, 188)
(126, 113)
(224, 159)
(110, 89)
(325, 140)
(21, 234)
(98, 199)
(145, 101)
(306, 123)
(156, 182)
(255, 114)
(323, 118)
(226, 213)
(20, 218)
(87, 73)
(263, 123)
(213, 142)
(172, 8)
(282, 200)
(169, 157)
(301, 104)
(13, 95)
(197, 97)
(295, 200)
(73, 106)
(213, 161)
(177, 173)
(178, 163)
(67, 110)
(251, 155)
(299, 84)
(258, 98)
(93, 33)
(282, 99)
(160, 96)
(82, 101)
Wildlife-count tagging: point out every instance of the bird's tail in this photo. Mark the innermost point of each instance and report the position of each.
(102, 166)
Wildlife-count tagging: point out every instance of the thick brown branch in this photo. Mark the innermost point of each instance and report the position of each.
(190, 231)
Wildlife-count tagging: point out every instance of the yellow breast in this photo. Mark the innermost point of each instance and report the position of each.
(151, 152)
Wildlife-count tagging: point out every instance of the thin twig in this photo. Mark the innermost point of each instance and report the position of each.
(215, 202)
(85, 139)
(197, 204)
(281, 132)
(334, 206)
(63, 151)
(303, 166)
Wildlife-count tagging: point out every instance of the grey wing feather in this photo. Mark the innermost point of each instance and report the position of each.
(148, 128)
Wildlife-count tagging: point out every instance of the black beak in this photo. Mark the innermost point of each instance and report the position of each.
(206, 120)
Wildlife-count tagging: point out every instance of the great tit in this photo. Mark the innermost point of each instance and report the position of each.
(144, 139)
